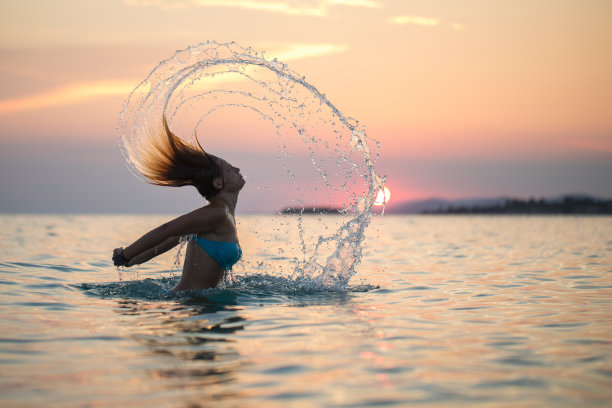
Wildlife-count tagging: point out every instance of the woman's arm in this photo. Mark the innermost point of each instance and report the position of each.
(159, 249)
(199, 221)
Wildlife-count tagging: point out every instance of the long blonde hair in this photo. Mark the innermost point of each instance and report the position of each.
(172, 162)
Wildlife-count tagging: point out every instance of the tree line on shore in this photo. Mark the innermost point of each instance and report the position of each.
(564, 205)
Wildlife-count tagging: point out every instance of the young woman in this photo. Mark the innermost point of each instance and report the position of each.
(213, 245)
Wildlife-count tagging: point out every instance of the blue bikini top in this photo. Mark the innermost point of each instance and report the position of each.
(226, 254)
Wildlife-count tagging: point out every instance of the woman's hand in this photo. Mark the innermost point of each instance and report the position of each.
(119, 259)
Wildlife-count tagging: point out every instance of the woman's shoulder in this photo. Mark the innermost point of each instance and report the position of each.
(202, 220)
(214, 214)
(212, 211)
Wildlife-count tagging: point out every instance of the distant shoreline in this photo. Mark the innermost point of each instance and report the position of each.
(313, 211)
(564, 205)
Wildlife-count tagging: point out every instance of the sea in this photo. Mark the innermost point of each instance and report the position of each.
(442, 311)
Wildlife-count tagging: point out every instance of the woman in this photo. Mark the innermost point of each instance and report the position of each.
(213, 245)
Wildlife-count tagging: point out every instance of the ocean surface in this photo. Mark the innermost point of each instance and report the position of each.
(444, 311)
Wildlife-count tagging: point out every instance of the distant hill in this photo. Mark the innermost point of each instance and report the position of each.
(566, 204)
(312, 210)
(439, 204)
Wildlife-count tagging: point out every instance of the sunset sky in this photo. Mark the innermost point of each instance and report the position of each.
(473, 98)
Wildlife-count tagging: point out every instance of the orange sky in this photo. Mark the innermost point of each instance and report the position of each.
(474, 81)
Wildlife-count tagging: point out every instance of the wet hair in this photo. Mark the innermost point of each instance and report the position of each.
(173, 162)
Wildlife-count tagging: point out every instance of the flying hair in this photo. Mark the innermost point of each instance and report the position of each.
(170, 161)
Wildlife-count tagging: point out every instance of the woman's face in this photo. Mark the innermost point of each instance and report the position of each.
(231, 175)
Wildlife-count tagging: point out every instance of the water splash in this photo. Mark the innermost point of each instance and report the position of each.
(324, 160)
(251, 286)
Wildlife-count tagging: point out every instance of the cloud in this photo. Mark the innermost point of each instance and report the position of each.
(594, 145)
(80, 92)
(458, 27)
(318, 8)
(424, 21)
(67, 95)
(300, 51)
(282, 7)
(163, 4)
(357, 3)
(415, 20)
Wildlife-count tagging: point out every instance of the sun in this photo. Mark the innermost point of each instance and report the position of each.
(382, 197)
